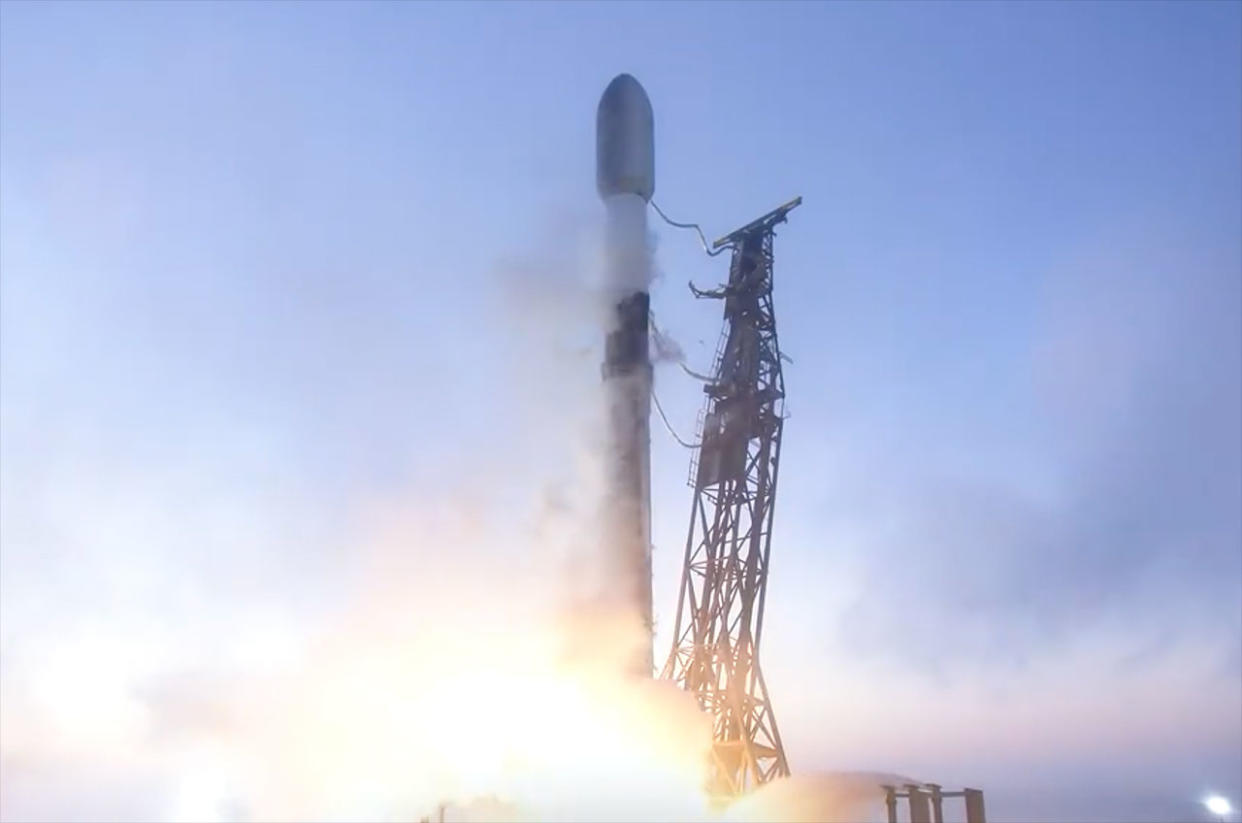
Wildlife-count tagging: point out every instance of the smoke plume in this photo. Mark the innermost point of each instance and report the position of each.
(454, 646)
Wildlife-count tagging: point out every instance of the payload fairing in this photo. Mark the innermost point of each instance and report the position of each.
(625, 178)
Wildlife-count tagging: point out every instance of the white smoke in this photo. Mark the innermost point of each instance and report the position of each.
(455, 647)
(465, 654)
(826, 797)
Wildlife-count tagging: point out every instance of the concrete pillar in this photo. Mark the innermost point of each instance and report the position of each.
(937, 803)
(890, 802)
(974, 806)
(920, 812)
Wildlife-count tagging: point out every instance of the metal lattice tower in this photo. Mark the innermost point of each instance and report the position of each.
(715, 652)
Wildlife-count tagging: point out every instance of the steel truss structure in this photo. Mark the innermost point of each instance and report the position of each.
(719, 622)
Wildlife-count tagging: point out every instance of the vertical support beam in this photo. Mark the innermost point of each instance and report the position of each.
(937, 803)
(890, 802)
(974, 806)
(919, 810)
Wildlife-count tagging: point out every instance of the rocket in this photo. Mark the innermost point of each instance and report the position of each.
(625, 178)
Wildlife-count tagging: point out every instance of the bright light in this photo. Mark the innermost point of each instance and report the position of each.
(1217, 805)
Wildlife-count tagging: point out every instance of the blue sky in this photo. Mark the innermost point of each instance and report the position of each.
(264, 265)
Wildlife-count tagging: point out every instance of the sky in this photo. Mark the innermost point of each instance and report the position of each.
(272, 274)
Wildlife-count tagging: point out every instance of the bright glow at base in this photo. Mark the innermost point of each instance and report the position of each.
(1217, 805)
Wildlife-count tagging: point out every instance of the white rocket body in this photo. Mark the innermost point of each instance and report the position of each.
(625, 178)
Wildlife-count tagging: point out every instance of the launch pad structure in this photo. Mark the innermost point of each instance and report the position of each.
(925, 803)
(719, 623)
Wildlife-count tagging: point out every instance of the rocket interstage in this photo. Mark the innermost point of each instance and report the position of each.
(625, 178)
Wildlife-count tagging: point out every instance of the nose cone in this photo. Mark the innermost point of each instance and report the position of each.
(624, 140)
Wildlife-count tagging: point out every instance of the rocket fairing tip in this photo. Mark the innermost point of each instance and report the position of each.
(625, 140)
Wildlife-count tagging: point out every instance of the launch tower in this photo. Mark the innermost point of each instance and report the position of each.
(719, 622)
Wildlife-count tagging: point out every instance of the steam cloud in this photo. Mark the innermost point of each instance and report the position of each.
(242, 654)
(466, 655)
